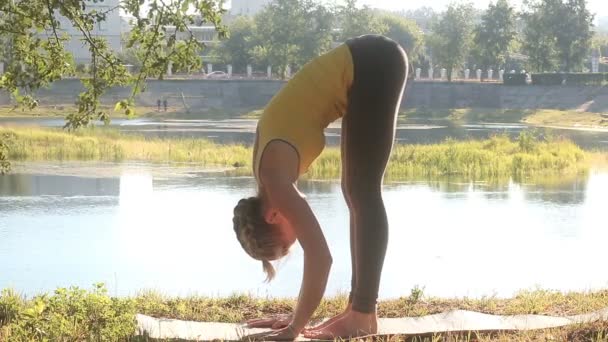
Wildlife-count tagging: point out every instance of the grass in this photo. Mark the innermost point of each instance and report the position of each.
(566, 118)
(111, 145)
(538, 117)
(78, 315)
(496, 157)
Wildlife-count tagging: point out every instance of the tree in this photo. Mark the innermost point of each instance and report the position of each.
(355, 21)
(452, 36)
(538, 42)
(600, 41)
(36, 57)
(495, 34)
(237, 49)
(572, 29)
(558, 34)
(291, 32)
(404, 31)
(423, 16)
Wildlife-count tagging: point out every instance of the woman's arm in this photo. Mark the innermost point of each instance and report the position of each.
(278, 176)
(317, 258)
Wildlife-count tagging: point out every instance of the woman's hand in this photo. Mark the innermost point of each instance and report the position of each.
(285, 334)
(274, 322)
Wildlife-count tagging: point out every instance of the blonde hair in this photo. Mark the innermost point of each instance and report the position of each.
(258, 238)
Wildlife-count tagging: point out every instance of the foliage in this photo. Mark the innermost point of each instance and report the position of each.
(557, 34)
(405, 32)
(291, 32)
(238, 47)
(36, 56)
(494, 35)
(67, 315)
(600, 41)
(423, 16)
(5, 166)
(538, 42)
(452, 36)
(573, 33)
(355, 21)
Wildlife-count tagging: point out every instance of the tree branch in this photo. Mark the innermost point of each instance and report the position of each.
(50, 8)
(87, 36)
(148, 52)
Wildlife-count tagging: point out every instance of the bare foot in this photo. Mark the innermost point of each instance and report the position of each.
(352, 324)
(329, 321)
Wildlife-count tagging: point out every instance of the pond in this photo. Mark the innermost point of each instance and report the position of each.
(135, 227)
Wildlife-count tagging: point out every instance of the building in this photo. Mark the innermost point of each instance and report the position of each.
(109, 29)
(247, 7)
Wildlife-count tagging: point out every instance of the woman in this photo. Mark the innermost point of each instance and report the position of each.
(362, 81)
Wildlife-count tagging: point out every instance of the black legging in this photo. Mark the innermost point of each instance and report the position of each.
(368, 131)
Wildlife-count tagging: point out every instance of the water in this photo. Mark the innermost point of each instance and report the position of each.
(420, 131)
(139, 229)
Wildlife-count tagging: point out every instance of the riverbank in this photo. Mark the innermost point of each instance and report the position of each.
(498, 156)
(550, 118)
(172, 112)
(536, 117)
(78, 314)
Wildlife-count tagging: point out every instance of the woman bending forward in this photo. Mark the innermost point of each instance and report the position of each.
(361, 81)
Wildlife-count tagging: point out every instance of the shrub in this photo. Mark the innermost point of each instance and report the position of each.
(68, 315)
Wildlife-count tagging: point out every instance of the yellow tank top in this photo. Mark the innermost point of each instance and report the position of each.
(316, 96)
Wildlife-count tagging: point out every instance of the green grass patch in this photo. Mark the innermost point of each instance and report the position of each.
(66, 315)
(496, 157)
(564, 118)
(468, 114)
(93, 315)
(101, 144)
(539, 117)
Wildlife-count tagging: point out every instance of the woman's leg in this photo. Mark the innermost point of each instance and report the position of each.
(370, 121)
(374, 100)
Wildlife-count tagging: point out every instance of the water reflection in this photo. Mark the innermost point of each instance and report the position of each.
(174, 234)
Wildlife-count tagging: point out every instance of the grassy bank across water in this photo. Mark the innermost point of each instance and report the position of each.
(174, 111)
(80, 315)
(535, 117)
(498, 156)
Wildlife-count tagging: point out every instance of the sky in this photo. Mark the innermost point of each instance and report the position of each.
(600, 7)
